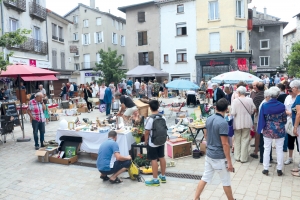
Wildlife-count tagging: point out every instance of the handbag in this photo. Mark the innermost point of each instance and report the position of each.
(89, 99)
(289, 127)
(102, 108)
(133, 171)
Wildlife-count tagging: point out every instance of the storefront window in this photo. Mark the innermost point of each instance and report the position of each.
(210, 72)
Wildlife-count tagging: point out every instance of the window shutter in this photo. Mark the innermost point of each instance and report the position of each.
(242, 9)
(145, 41)
(62, 59)
(112, 38)
(117, 38)
(217, 9)
(243, 41)
(82, 38)
(54, 61)
(95, 38)
(140, 38)
(87, 23)
(124, 40)
(141, 59)
(102, 38)
(151, 58)
(89, 39)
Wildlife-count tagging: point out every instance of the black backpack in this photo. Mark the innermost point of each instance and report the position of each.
(159, 130)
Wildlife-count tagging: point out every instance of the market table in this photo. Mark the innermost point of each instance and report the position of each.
(91, 141)
(198, 129)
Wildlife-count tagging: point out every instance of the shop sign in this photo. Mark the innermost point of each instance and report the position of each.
(92, 74)
(62, 77)
(20, 61)
(30, 62)
(213, 63)
(242, 64)
(43, 64)
(73, 49)
(266, 70)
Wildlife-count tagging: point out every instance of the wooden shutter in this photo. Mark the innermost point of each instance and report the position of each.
(141, 59)
(145, 41)
(141, 16)
(140, 38)
(54, 59)
(151, 58)
(62, 59)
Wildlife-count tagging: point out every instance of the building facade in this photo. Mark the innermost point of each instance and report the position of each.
(178, 38)
(266, 41)
(58, 47)
(93, 30)
(290, 38)
(143, 34)
(222, 37)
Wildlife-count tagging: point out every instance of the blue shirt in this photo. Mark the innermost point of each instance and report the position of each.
(215, 94)
(294, 113)
(129, 82)
(108, 96)
(105, 154)
(277, 80)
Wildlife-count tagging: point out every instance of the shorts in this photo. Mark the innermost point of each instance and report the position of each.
(154, 153)
(130, 111)
(216, 165)
(118, 165)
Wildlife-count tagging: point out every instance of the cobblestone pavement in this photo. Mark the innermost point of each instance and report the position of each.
(23, 177)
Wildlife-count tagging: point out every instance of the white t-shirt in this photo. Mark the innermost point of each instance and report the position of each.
(148, 126)
(137, 85)
(71, 88)
(209, 85)
(102, 92)
(191, 92)
(51, 87)
(43, 91)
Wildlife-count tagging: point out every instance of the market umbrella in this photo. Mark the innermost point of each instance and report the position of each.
(182, 85)
(235, 77)
(145, 71)
(24, 71)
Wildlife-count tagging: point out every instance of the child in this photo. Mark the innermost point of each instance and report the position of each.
(154, 152)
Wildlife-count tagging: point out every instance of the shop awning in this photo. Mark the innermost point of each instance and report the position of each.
(39, 78)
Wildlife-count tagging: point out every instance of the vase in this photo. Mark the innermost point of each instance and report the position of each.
(137, 140)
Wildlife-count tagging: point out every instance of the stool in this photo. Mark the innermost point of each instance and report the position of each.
(134, 145)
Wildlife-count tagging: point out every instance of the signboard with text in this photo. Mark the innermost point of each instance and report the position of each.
(213, 62)
(92, 74)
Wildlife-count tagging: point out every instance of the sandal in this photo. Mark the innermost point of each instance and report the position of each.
(295, 170)
(297, 174)
(104, 178)
(117, 180)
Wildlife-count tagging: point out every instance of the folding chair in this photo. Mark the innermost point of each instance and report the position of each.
(176, 109)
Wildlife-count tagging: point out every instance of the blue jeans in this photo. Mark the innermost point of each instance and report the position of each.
(108, 105)
(38, 126)
(285, 144)
(71, 94)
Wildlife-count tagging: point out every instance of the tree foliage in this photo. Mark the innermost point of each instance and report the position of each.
(109, 66)
(11, 39)
(294, 60)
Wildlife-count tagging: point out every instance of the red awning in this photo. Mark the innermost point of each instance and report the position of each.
(15, 70)
(39, 78)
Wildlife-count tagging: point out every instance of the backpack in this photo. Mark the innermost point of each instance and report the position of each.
(159, 130)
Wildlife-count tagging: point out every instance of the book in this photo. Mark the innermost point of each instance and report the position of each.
(70, 151)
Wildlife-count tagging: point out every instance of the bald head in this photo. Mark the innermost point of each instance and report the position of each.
(254, 85)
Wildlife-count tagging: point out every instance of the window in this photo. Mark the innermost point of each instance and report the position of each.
(121, 26)
(287, 49)
(62, 60)
(117, 25)
(214, 41)
(264, 44)
(76, 54)
(181, 55)
(142, 38)
(99, 21)
(87, 61)
(76, 66)
(75, 19)
(264, 60)
(54, 32)
(180, 8)
(141, 17)
(86, 23)
(98, 37)
(37, 38)
(166, 58)
(75, 37)
(213, 10)
(13, 24)
(240, 40)
(123, 59)
(122, 40)
(86, 39)
(240, 11)
(60, 34)
(114, 38)
(181, 29)
(54, 59)
(98, 58)
(146, 58)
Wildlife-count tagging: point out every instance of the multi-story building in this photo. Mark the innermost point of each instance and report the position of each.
(58, 47)
(266, 42)
(290, 38)
(143, 34)
(93, 30)
(178, 38)
(222, 37)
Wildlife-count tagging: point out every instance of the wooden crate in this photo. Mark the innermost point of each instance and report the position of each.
(179, 149)
(143, 108)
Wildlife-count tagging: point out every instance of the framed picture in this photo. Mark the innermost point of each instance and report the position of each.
(71, 125)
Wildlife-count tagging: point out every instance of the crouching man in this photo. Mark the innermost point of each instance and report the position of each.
(109, 161)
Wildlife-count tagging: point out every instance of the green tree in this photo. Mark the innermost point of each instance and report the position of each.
(294, 60)
(11, 39)
(109, 66)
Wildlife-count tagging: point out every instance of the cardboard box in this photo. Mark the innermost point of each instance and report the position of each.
(71, 106)
(94, 156)
(82, 110)
(203, 147)
(63, 161)
(54, 118)
(44, 153)
(179, 150)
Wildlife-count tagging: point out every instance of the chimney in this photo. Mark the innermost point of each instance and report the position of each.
(92, 4)
(265, 13)
(254, 11)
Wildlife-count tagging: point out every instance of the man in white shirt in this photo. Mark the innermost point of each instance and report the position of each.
(137, 87)
(42, 90)
(71, 90)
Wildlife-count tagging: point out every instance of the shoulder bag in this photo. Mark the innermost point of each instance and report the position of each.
(89, 99)
(244, 106)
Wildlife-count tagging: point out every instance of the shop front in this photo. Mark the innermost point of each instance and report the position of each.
(31, 62)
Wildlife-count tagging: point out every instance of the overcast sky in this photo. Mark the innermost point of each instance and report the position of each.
(284, 9)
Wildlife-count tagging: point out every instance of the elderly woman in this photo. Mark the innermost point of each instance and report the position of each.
(217, 93)
(295, 85)
(271, 121)
(241, 109)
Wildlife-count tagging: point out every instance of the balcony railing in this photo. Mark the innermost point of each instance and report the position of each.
(18, 5)
(37, 11)
(32, 45)
(57, 38)
(88, 65)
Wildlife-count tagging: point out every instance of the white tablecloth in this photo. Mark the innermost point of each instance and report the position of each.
(91, 141)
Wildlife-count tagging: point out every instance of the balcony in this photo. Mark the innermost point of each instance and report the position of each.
(32, 45)
(37, 11)
(58, 39)
(18, 5)
(88, 65)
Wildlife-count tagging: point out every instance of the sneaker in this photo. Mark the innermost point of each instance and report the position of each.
(152, 182)
(162, 178)
(288, 161)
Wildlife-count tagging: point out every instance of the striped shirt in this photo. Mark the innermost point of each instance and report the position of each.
(36, 110)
